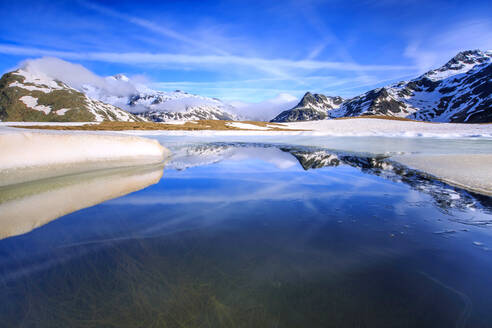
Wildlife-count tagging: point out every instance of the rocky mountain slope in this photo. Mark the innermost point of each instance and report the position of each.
(311, 107)
(25, 96)
(160, 106)
(459, 92)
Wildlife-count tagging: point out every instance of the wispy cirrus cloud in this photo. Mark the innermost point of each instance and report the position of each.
(198, 60)
(212, 56)
(198, 43)
(266, 95)
(153, 27)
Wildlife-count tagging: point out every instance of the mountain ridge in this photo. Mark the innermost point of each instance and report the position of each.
(459, 92)
(162, 106)
(311, 107)
(25, 96)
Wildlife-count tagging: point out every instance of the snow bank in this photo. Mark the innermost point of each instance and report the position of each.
(24, 207)
(469, 171)
(247, 126)
(33, 155)
(391, 128)
(6, 124)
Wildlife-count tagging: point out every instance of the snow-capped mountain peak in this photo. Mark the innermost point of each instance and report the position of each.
(162, 105)
(461, 63)
(459, 91)
(121, 77)
(311, 107)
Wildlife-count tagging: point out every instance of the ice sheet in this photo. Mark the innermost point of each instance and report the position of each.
(469, 171)
(27, 155)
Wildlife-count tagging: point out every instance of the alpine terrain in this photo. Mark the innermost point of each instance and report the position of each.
(160, 106)
(459, 92)
(25, 96)
(311, 107)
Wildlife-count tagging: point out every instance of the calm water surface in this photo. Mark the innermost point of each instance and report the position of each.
(248, 235)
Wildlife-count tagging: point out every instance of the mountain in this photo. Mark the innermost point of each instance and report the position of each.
(459, 92)
(163, 106)
(311, 107)
(27, 96)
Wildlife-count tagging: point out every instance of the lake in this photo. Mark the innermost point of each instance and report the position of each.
(249, 233)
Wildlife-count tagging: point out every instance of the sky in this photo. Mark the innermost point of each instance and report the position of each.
(247, 51)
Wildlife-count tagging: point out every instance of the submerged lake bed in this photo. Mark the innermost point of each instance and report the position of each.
(253, 233)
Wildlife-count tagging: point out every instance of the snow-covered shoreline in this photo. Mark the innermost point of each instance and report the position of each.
(383, 127)
(472, 172)
(29, 155)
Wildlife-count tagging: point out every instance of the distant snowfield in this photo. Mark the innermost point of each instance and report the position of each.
(247, 126)
(381, 127)
(343, 128)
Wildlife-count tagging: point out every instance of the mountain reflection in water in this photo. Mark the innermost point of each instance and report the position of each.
(445, 196)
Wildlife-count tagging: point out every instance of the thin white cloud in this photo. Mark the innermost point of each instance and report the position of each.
(77, 76)
(31, 51)
(200, 61)
(198, 43)
(374, 82)
(275, 67)
(317, 50)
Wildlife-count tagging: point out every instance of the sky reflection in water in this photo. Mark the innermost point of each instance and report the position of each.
(260, 236)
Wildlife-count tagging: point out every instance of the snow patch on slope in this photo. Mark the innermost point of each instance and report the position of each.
(41, 81)
(62, 111)
(112, 113)
(32, 102)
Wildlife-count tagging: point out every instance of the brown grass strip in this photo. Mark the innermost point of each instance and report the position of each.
(215, 125)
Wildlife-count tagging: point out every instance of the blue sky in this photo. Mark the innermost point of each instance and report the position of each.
(248, 50)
